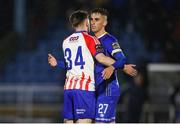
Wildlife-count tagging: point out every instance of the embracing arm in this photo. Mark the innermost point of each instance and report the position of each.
(61, 64)
(56, 63)
(120, 60)
(107, 61)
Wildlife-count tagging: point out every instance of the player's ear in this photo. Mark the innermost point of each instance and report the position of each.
(87, 22)
(105, 23)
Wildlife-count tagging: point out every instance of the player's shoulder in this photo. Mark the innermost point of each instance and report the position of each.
(72, 36)
(67, 37)
(111, 38)
(89, 37)
(86, 35)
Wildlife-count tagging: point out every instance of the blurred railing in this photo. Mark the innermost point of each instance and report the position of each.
(30, 103)
(163, 80)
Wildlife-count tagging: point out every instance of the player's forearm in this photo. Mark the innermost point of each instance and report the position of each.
(61, 64)
(120, 60)
(107, 61)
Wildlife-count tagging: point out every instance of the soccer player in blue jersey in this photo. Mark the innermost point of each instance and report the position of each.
(108, 91)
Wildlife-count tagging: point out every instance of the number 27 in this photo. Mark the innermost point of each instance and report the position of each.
(102, 108)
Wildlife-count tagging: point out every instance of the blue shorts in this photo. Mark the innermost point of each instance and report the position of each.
(108, 94)
(79, 104)
(106, 108)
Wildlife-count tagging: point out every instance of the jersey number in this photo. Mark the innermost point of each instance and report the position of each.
(78, 60)
(102, 108)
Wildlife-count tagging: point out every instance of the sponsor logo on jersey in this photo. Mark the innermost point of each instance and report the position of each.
(73, 39)
(115, 45)
(99, 48)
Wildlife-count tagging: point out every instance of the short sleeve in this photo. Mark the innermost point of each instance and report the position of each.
(93, 44)
(113, 46)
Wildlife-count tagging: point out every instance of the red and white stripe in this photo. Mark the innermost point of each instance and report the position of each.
(79, 83)
(76, 77)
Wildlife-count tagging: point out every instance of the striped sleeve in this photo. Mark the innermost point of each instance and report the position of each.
(91, 43)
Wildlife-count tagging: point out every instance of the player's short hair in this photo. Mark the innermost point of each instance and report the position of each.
(102, 11)
(77, 17)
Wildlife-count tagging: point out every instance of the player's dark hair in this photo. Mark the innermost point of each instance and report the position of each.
(102, 11)
(77, 17)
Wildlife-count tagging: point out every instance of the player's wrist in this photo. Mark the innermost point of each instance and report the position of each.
(112, 67)
(125, 68)
(55, 65)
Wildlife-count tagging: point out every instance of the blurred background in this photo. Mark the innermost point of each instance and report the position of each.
(148, 32)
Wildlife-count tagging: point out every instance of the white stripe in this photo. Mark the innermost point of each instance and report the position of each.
(78, 84)
(73, 83)
(67, 83)
(115, 51)
(91, 86)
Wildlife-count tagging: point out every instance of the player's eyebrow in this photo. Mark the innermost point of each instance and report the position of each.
(94, 18)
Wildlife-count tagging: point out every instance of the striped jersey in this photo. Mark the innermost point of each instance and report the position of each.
(79, 49)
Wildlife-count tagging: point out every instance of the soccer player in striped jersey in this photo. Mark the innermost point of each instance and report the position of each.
(108, 91)
(80, 49)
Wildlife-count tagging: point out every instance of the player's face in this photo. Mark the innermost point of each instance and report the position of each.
(98, 22)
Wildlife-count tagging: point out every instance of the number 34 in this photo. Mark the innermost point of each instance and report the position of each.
(78, 60)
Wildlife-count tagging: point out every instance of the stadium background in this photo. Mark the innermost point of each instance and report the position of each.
(148, 32)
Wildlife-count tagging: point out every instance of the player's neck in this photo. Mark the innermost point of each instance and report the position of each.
(100, 33)
(81, 28)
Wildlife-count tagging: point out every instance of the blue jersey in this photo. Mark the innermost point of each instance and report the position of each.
(112, 49)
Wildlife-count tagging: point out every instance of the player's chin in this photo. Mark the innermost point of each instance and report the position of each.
(94, 30)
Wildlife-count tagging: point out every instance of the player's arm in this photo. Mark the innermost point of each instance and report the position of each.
(118, 55)
(61, 64)
(96, 50)
(113, 47)
(121, 63)
(106, 74)
(120, 60)
(107, 61)
(56, 63)
(100, 57)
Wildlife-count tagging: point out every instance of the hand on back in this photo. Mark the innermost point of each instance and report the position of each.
(130, 70)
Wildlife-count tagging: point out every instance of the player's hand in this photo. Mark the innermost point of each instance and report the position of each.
(52, 60)
(130, 70)
(107, 72)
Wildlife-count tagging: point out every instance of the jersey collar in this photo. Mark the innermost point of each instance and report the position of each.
(80, 31)
(102, 35)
